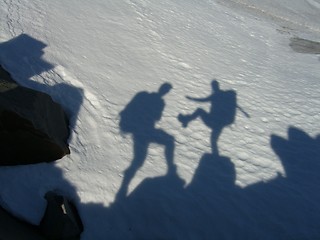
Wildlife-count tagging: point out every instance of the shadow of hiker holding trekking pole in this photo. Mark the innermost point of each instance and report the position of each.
(222, 112)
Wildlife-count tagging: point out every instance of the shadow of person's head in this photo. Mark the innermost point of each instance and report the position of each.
(215, 85)
(164, 89)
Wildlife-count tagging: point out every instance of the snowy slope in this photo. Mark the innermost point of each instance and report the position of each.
(94, 57)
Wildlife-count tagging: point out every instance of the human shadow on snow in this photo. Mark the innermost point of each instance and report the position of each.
(222, 112)
(139, 118)
(212, 206)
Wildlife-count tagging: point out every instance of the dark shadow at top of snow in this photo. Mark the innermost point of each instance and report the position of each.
(22, 56)
(212, 206)
(301, 45)
(25, 52)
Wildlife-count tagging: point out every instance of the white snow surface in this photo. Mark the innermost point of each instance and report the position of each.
(94, 56)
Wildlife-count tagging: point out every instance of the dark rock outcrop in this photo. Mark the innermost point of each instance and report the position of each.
(33, 128)
(61, 220)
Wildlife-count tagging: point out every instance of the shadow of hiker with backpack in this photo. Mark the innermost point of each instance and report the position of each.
(222, 112)
(139, 118)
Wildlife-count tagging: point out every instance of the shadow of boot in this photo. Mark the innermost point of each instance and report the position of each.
(184, 119)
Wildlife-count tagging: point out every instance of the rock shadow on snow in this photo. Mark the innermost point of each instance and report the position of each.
(287, 207)
(23, 57)
(212, 206)
(33, 128)
(164, 208)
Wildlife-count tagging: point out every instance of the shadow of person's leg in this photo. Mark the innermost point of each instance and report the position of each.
(215, 134)
(199, 112)
(161, 137)
(140, 148)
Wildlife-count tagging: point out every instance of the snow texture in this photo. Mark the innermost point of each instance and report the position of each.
(258, 178)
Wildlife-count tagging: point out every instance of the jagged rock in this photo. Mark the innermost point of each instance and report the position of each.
(61, 220)
(33, 128)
